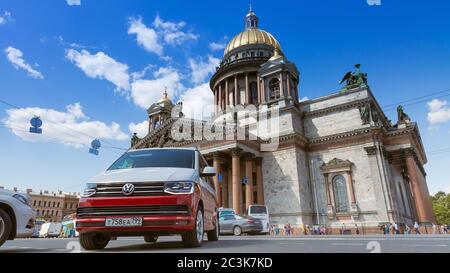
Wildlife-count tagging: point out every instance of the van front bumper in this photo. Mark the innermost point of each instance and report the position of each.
(165, 214)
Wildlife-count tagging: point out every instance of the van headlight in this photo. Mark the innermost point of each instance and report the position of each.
(22, 199)
(179, 187)
(89, 190)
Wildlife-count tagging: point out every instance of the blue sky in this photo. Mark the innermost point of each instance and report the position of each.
(90, 66)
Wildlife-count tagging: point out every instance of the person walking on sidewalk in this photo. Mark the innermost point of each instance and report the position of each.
(416, 228)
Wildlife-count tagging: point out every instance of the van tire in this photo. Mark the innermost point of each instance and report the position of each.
(213, 235)
(150, 238)
(190, 238)
(7, 226)
(94, 241)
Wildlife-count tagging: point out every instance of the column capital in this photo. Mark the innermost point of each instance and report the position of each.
(372, 150)
(248, 155)
(236, 152)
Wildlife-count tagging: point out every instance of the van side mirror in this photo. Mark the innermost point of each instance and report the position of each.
(209, 171)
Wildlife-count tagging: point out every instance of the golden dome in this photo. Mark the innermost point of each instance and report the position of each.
(252, 36)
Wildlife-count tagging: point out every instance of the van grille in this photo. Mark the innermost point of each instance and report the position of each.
(133, 210)
(140, 189)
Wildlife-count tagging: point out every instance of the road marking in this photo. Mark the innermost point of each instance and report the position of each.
(347, 244)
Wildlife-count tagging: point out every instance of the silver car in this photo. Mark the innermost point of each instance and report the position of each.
(238, 224)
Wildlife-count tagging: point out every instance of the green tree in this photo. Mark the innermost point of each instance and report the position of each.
(441, 207)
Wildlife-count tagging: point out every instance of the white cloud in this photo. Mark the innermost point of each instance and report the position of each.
(101, 66)
(62, 127)
(214, 46)
(73, 2)
(140, 128)
(146, 37)
(439, 112)
(144, 92)
(5, 17)
(171, 31)
(15, 57)
(198, 102)
(200, 70)
(304, 99)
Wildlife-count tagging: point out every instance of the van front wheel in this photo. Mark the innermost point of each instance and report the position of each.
(194, 238)
(94, 241)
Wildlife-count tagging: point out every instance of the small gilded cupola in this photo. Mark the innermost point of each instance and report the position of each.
(251, 20)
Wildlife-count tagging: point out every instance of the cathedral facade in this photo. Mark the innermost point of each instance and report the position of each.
(339, 161)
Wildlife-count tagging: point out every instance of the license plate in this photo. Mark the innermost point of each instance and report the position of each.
(123, 222)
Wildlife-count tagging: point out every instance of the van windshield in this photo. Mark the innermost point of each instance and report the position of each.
(258, 210)
(169, 158)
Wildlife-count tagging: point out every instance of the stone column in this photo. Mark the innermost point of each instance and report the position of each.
(216, 102)
(281, 85)
(236, 91)
(236, 180)
(227, 96)
(350, 187)
(220, 97)
(288, 83)
(216, 165)
(224, 169)
(420, 199)
(263, 91)
(249, 175)
(258, 86)
(247, 89)
(259, 181)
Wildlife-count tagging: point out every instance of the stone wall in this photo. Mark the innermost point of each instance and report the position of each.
(367, 186)
(286, 189)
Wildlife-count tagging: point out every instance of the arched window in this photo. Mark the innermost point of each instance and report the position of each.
(274, 87)
(254, 92)
(156, 123)
(340, 194)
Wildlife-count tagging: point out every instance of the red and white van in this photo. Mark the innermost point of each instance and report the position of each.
(150, 193)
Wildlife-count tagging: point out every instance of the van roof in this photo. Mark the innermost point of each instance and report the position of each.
(165, 148)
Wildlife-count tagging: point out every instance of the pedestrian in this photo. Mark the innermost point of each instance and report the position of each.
(286, 229)
(416, 227)
(407, 230)
(434, 228)
(396, 230)
(277, 231)
(356, 229)
(271, 230)
(387, 229)
(322, 230)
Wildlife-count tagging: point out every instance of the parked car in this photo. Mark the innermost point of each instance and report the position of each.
(150, 193)
(226, 211)
(50, 230)
(17, 218)
(260, 212)
(239, 224)
(37, 228)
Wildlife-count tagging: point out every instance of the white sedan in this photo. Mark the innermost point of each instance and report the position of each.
(17, 218)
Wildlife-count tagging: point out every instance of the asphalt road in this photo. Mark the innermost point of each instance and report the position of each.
(251, 244)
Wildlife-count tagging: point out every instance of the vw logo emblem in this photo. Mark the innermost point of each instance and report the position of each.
(128, 189)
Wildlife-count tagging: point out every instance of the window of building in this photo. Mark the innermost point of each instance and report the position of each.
(34, 203)
(39, 203)
(45, 203)
(340, 194)
(274, 87)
